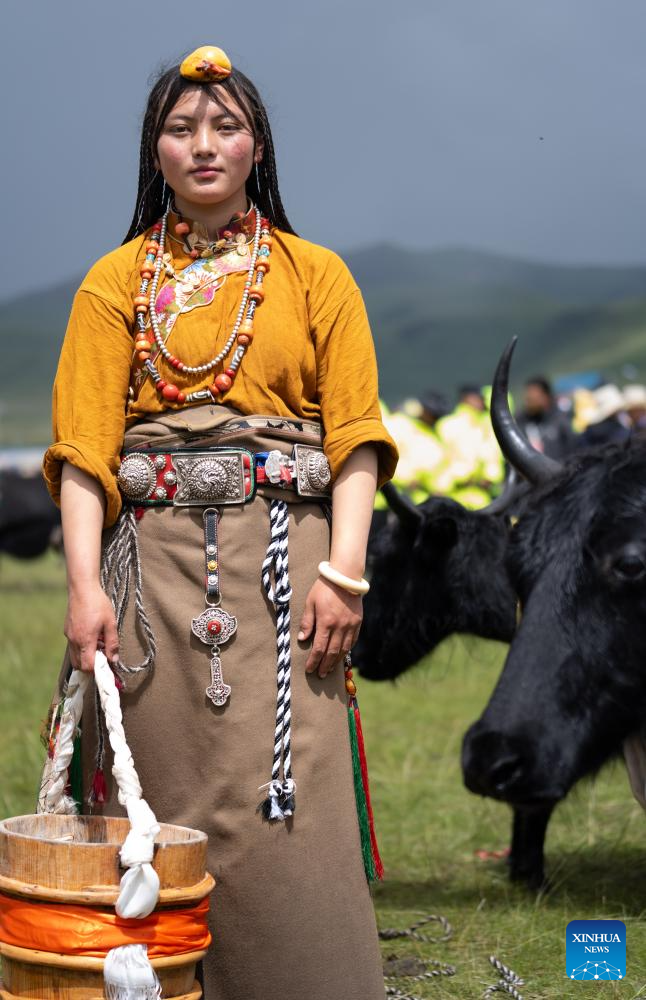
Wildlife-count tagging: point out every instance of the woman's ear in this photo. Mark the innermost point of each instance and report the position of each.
(260, 151)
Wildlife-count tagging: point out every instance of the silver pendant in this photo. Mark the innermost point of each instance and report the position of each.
(217, 690)
(214, 627)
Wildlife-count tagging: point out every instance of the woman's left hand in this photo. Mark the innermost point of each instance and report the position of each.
(333, 616)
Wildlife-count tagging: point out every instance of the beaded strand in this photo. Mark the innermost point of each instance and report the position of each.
(253, 295)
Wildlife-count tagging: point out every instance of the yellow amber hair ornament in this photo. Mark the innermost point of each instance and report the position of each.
(206, 64)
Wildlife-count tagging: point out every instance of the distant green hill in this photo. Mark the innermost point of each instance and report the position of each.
(442, 317)
(439, 317)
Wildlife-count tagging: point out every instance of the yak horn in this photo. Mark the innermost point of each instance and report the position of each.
(511, 491)
(401, 505)
(531, 464)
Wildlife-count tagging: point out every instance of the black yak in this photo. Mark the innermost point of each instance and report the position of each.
(29, 519)
(573, 686)
(435, 568)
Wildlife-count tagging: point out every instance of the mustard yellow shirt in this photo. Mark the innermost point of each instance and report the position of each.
(312, 357)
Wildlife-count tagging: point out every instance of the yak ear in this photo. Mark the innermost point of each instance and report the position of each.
(440, 532)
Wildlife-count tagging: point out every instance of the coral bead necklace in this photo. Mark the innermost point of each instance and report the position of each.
(253, 295)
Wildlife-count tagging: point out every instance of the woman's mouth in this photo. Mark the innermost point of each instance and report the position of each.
(206, 171)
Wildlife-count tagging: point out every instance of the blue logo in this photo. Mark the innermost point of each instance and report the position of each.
(595, 949)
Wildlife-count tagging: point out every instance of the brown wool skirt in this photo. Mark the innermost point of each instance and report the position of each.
(291, 914)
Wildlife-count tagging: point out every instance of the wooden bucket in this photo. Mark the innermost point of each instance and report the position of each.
(195, 994)
(75, 860)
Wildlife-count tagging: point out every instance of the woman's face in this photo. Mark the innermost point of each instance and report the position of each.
(205, 153)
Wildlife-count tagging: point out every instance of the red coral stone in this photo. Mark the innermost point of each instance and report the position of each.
(222, 382)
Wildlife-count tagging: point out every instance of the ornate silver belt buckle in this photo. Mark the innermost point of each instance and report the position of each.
(137, 477)
(205, 477)
(313, 473)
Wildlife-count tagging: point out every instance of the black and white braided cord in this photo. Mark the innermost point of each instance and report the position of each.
(507, 983)
(412, 932)
(120, 574)
(280, 798)
(433, 967)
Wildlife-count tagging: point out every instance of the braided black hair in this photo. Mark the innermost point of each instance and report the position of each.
(262, 183)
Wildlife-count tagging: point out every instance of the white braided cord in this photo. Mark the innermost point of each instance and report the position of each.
(52, 798)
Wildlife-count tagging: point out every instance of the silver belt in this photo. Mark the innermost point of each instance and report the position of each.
(220, 475)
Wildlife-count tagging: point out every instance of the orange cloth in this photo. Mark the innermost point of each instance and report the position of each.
(92, 932)
(312, 357)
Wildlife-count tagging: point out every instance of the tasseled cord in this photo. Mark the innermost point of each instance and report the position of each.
(128, 974)
(280, 801)
(371, 860)
(280, 796)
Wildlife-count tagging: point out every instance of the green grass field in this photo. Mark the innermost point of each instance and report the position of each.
(428, 825)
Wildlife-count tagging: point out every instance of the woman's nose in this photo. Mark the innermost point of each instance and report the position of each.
(203, 144)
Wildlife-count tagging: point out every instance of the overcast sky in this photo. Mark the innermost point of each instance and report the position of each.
(515, 125)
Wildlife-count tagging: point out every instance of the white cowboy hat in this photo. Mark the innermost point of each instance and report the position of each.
(608, 400)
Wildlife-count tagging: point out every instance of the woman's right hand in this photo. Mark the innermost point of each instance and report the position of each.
(90, 623)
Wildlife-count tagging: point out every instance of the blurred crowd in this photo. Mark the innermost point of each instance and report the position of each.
(450, 450)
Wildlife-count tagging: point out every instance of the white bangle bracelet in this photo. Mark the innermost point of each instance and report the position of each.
(354, 586)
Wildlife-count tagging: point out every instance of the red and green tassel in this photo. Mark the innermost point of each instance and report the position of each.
(99, 789)
(371, 861)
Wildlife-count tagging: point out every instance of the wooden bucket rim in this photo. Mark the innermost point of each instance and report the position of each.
(201, 836)
(30, 956)
(102, 895)
(195, 994)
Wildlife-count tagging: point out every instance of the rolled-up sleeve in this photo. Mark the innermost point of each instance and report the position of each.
(347, 380)
(90, 395)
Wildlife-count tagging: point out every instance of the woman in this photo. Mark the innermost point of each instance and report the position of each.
(271, 359)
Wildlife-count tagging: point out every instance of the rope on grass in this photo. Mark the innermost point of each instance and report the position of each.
(388, 934)
(432, 967)
(507, 983)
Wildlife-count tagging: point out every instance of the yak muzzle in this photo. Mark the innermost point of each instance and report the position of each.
(506, 767)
